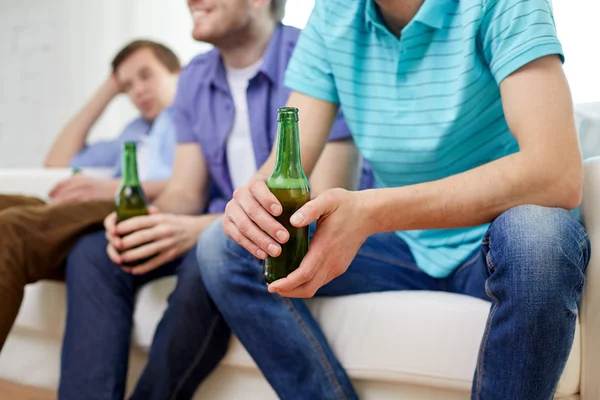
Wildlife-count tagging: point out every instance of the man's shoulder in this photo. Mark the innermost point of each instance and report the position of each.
(288, 37)
(289, 33)
(134, 129)
(199, 65)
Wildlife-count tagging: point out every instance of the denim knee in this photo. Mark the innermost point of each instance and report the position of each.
(542, 251)
(190, 288)
(88, 263)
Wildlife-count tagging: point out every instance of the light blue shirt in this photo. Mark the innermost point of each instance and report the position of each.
(161, 143)
(425, 106)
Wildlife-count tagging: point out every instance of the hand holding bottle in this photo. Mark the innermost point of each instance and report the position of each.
(343, 227)
(250, 219)
(150, 241)
(247, 220)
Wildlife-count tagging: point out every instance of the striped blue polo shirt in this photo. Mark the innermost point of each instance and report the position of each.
(427, 105)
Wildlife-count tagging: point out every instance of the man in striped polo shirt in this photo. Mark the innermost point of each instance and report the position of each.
(463, 111)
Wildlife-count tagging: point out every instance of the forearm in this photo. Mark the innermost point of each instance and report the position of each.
(316, 118)
(72, 139)
(153, 189)
(201, 222)
(476, 196)
(338, 167)
(180, 201)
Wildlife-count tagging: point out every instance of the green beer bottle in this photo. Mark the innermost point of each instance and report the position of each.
(130, 200)
(289, 184)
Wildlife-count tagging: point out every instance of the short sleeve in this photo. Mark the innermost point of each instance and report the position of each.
(309, 69)
(216, 200)
(100, 154)
(181, 111)
(514, 33)
(340, 129)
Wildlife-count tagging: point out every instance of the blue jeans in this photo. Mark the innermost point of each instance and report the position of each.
(531, 266)
(188, 343)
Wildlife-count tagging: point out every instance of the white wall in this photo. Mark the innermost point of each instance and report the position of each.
(578, 27)
(54, 53)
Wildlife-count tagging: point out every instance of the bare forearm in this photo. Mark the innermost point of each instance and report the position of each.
(338, 167)
(476, 196)
(153, 189)
(72, 139)
(316, 117)
(187, 191)
(179, 201)
(201, 222)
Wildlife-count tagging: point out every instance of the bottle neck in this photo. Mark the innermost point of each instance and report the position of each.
(288, 163)
(130, 173)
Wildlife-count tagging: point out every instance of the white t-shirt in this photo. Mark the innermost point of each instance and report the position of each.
(142, 158)
(240, 151)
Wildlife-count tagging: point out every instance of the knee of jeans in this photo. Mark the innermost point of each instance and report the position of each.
(190, 288)
(220, 258)
(88, 258)
(546, 249)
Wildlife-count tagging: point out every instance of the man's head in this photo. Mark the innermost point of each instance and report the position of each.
(147, 72)
(220, 22)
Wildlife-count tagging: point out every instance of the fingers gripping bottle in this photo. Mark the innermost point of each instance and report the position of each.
(289, 184)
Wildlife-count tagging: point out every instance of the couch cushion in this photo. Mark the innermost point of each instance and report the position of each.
(426, 338)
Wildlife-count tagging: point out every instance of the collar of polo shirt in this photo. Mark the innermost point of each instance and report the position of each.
(432, 13)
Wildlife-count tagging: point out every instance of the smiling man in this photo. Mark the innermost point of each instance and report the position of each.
(464, 113)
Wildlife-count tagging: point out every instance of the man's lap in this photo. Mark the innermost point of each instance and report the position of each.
(385, 263)
(90, 253)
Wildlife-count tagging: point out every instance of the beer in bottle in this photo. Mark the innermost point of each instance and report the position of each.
(130, 200)
(289, 184)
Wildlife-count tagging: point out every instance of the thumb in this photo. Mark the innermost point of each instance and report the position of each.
(312, 211)
(153, 210)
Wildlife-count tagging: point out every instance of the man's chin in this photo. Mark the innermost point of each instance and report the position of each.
(149, 116)
(203, 36)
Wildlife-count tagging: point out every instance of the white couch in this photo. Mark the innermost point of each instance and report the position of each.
(395, 345)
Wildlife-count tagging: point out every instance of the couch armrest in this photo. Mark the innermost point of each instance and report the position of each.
(35, 182)
(590, 306)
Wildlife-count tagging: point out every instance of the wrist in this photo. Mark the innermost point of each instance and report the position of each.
(112, 186)
(201, 222)
(370, 210)
(109, 89)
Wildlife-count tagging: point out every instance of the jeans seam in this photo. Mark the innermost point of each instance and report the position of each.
(486, 335)
(322, 357)
(488, 327)
(396, 263)
(201, 353)
(582, 242)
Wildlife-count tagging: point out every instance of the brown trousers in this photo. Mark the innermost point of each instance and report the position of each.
(35, 239)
